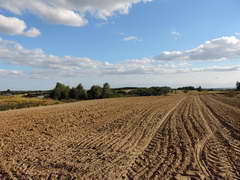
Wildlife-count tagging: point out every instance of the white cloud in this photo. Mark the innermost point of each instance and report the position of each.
(214, 50)
(13, 53)
(176, 35)
(237, 33)
(210, 69)
(105, 23)
(70, 12)
(128, 38)
(15, 26)
(33, 32)
(4, 72)
(131, 38)
(47, 65)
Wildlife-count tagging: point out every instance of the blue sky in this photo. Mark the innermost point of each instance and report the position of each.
(123, 42)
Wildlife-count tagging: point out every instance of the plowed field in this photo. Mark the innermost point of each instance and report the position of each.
(172, 137)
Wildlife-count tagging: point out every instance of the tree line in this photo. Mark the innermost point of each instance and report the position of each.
(152, 91)
(186, 89)
(62, 92)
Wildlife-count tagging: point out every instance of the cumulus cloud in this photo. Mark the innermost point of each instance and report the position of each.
(214, 50)
(15, 26)
(47, 65)
(70, 12)
(13, 53)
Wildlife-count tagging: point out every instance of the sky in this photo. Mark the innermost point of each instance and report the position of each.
(123, 42)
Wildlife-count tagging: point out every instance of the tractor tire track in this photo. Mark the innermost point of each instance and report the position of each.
(173, 137)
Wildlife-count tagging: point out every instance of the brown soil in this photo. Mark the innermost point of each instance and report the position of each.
(173, 137)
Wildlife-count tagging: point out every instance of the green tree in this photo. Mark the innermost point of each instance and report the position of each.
(95, 92)
(78, 93)
(73, 94)
(82, 93)
(199, 88)
(106, 91)
(238, 86)
(60, 92)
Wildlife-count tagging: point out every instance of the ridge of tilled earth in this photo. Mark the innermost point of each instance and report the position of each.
(171, 137)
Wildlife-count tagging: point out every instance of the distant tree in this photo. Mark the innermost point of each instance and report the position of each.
(65, 93)
(106, 91)
(199, 88)
(185, 91)
(60, 92)
(189, 88)
(82, 93)
(56, 94)
(95, 92)
(152, 91)
(73, 93)
(165, 90)
(238, 86)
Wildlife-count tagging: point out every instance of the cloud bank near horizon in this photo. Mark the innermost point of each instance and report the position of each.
(44, 65)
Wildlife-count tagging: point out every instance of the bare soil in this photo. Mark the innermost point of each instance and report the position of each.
(173, 137)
